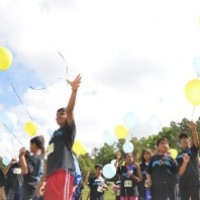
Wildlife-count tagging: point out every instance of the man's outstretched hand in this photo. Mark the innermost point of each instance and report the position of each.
(75, 83)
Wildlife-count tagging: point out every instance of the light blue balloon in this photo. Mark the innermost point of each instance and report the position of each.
(128, 147)
(196, 64)
(155, 122)
(6, 160)
(113, 162)
(9, 120)
(77, 173)
(109, 137)
(109, 171)
(131, 121)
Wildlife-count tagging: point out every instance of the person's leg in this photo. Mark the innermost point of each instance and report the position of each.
(123, 198)
(59, 186)
(184, 193)
(141, 198)
(133, 198)
(23, 195)
(68, 186)
(177, 191)
(17, 195)
(10, 194)
(2, 193)
(171, 192)
(160, 193)
(194, 193)
(27, 194)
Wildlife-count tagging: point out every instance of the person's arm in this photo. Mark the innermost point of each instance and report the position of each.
(2, 193)
(118, 157)
(199, 161)
(195, 136)
(86, 182)
(148, 181)
(139, 173)
(133, 176)
(115, 187)
(22, 160)
(137, 177)
(2, 184)
(105, 186)
(74, 188)
(42, 181)
(70, 107)
(183, 167)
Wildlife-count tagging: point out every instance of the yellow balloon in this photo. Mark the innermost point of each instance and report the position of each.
(192, 91)
(79, 148)
(5, 58)
(30, 128)
(121, 132)
(173, 153)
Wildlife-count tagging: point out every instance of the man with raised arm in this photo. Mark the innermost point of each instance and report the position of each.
(59, 169)
(188, 165)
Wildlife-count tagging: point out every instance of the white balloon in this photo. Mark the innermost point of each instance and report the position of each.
(155, 122)
(109, 171)
(113, 162)
(128, 147)
(6, 160)
(131, 120)
(109, 137)
(9, 120)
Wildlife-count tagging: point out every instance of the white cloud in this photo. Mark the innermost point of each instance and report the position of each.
(136, 55)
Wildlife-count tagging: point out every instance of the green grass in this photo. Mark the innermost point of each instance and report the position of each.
(109, 195)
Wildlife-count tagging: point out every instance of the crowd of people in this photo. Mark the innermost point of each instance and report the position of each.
(54, 174)
(159, 176)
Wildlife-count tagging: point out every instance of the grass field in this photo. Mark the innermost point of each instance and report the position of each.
(109, 195)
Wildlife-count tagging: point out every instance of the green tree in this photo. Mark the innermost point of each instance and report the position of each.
(86, 163)
(104, 155)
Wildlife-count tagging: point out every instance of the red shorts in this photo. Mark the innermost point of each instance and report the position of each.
(128, 198)
(59, 186)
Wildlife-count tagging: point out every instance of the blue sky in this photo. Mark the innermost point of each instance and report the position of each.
(21, 78)
(134, 56)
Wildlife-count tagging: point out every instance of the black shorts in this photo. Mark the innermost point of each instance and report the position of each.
(190, 191)
(164, 191)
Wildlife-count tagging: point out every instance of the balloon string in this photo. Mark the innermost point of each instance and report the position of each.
(61, 55)
(13, 134)
(193, 112)
(13, 147)
(17, 139)
(15, 91)
(3, 141)
(5, 147)
(45, 87)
